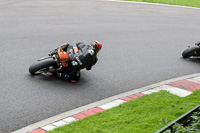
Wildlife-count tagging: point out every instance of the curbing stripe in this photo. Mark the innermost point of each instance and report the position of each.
(119, 101)
(112, 104)
(97, 110)
(60, 123)
(149, 92)
(126, 98)
(48, 127)
(133, 96)
(139, 94)
(185, 84)
(108, 105)
(88, 112)
(79, 116)
(70, 119)
(38, 131)
(174, 90)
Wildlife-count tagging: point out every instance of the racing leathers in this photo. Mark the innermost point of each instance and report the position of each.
(85, 57)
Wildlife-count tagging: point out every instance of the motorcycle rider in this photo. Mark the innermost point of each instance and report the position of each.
(85, 57)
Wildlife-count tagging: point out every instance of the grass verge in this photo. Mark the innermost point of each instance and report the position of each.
(145, 114)
(192, 3)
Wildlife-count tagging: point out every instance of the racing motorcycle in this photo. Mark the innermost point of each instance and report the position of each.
(192, 51)
(55, 63)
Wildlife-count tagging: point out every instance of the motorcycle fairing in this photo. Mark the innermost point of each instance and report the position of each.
(64, 58)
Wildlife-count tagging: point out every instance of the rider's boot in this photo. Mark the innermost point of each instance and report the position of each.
(73, 81)
(74, 78)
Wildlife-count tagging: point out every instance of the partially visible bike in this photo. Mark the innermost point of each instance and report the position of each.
(192, 51)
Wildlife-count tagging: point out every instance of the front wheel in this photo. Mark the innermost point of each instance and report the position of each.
(40, 66)
(194, 51)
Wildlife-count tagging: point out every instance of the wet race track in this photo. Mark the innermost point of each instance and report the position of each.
(142, 45)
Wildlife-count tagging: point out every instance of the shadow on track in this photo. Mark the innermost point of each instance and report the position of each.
(56, 81)
(192, 60)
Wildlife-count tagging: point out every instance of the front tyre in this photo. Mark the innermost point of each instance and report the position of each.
(41, 66)
(194, 51)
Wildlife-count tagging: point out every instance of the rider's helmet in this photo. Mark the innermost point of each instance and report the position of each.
(97, 45)
(64, 46)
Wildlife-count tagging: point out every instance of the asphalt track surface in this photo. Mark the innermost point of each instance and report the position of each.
(142, 45)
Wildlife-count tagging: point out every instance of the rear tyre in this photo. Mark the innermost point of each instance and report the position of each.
(34, 69)
(194, 51)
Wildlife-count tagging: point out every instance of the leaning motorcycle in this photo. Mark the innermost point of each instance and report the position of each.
(192, 51)
(55, 63)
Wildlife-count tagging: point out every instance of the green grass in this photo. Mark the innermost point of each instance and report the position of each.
(192, 3)
(141, 115)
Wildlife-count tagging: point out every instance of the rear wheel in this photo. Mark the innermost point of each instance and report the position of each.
(194, 51)
(40, 66)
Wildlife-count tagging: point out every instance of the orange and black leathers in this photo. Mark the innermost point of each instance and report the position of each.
(85, 57)
(69, 49)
